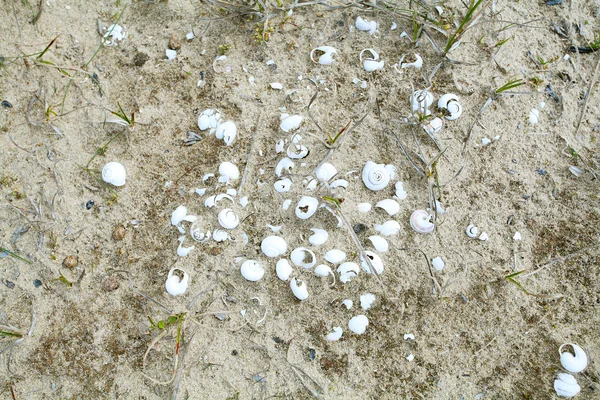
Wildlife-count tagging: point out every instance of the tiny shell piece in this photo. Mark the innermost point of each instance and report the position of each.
(286, 204)
(358, 324)
(178, 215)
(183, 251)
(335, 256)
(438, 263)
(367, 300)
(299, 289)
(400, 191)
(517, 236)
(364, 207)
(390, 206)
(434, 126)
(336, 334)
(534, 116)
(276, 86)
(284, 164)
(348, 303)
(299, 257)
(347, 271)
(171, 54)
(388, 228)
(319, 236)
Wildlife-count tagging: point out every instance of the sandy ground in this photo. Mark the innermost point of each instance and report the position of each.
(480, 336)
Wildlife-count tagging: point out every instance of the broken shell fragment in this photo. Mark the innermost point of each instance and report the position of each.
(379, 243)
(323, 270)
(364, 207)
(183, 251)
(114, 173)
(347, 271)
(566, 385)
(326, 172)
(296, 151)
(178, 215)
(339, 183)
(400, 191)
(420, 221)
(283, 185)
(450, 103)
(367, 300)
(388, 228)
(573, 362)
(335, 256)
(174, 285)
(227, 131)
(438, 263)
(417, 64)
(371, 64)
(348, 303)
(306, 207)
(326, 57)
(390, 206)
(319, 236)
(365, 26)
(421, 100)
(273, 246)
(303, 257)
(358, 324)
(219, 235)
(283, 269)
(375, 262)
(291, 123)
(377, 176)
(229, 170)
(228, 219)
(336, 334)
(434, 126)
(299, 289)
(284, 164)
(252, 270)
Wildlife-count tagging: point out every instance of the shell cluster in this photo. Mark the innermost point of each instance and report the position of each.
(574, 361)
(211, 120)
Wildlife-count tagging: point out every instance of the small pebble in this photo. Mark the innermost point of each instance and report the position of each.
(9, 284)
(6, 104)
(37, 283)
(541, 172)
(119, 233)
(359, 228)
(89, 204)
(70, 262)
(312, 354)
(110, 284)
(174, 42)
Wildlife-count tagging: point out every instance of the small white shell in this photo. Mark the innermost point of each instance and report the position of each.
(347, 271)
(379, 243)
(323, 270)
(377, 176)
(375, 262)
(348, 303)
(534, 116)
(197, 234)
(339, 182)
(326, 58)
(286, 204)
(434, 126)
(274, 228)
(283, 185)
(273, 246)
(244, 201)
(420, 221)
(226, 131)
(283, 269)
(335, 256)
(299, 289)
(114, 173)
(367, 300)
(364, 207)
(438, 263)
(299, 257)
(371, 64)
(284, 164)
(450, 102)
(336, 334)
(276, 85)
(390, 206)
(296, 151)
(229, 170)
(178, 215)
(306, 207)
(358, 324)
(312, 185)
(228, 219)
(319, 236)
(517, 236)
(183, 251)
(279, 146)
(174, 285)
(566, 385)
(472, 231)
(252, 270)
(421, 100)
(210, 201)
(573, 362)
(171, 54)
(418, 64)
(388, 228)
(484, 236)
(365, 26)
(219, 235)
(291, 123)
(400, 191)
(326, 172)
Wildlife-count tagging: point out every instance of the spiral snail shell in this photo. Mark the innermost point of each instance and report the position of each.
(228, 219)
(450, 103)
(252, 270)
(377, 176)
(114, 173)
(174, 285)
(420, 221)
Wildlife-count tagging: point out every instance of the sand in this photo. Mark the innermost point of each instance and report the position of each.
(477, 334)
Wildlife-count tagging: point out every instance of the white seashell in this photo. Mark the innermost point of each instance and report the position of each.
(232, 192)
(484, 236)
(365, 26)
(200, 191)
(299, 289)
(573, 362)
(335, 256)
(226, 131)
(273, 246)
(323, 270)
(358, 324)
(409, 336)
(339, 182)
(576, 171)
(219, 235)
(197, 234)
(229, 170)
(472, 231)
(174, 285)
(286, 204)
(183, 251)
(379, 243)
(434, 126)
(420, 221)
(517, 236)
(372, 65)
(377, 176)
(326, 58)
(336, 334)
(566, 385)
(190, 36)
(291, 123)
(485, 141)
(410, 357)
(178, 215)
(534, 116)
(283, 185)
(171, 54)
(364, 207)
(283, 269)
(390, 206)
(388, 228)
(276, 86)
(228, 219)
(306, 207)
(319, 236)
(367, 300)
(450, 102)
(299, 257)
(284, 164)
(418, 64)
(210, 201)
(348, 271)
(375, 262)
(252, 270)
(400, 192)
(297, 151)
(114, 173)
(326, 172)
(421, 100)
(279, 146)
(274, 228)
(348, 303)
(312, 185)
(438, 263)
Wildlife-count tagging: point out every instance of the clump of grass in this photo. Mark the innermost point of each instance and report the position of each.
(513, 83)
(474, 11)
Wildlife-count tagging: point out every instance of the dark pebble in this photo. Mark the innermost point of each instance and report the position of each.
(526, 197)
(89, 204)
(234, 353)
(140, 59)
(37, 283)
(312, 353)
(6, 104)
(359, 228)
(541, 172)
(9, 284)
